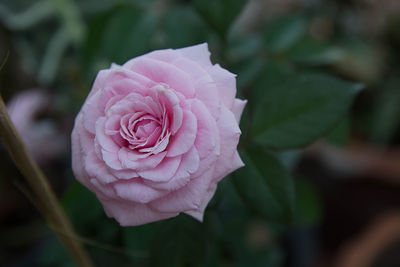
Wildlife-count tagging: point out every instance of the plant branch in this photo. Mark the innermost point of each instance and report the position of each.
(42, 191)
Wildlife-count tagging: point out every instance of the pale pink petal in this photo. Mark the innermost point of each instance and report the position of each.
(136, 191)
(237, 109)
(112, 124)
(189, 164)
(99, 82)
(78, 164)
(198, 53)
(164, 171)
(199, 212)
(126, 86)
(229, 135)
(131, 214)
(184, 139)
(96, 169)
(186, 198)
(207, 130)
(162, 72)
(105, 141)
(192, 68)
(166, 55)
(207, 92)
(129, 160)
(125, 174)
(121, 72)
(111, 159)
(225, 82)
(91, 112)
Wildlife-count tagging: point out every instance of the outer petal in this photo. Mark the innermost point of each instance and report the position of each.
(237, 109)
(161, 72)
(229, 136)
(136, 191)
(189, 197)
(131, 214)
(198, 53)
(199, 212)
(207, 131)
(184, 139)
(164, 171)
(225, 82)
(77, 154)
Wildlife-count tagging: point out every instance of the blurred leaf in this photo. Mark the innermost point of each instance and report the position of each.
(219, 14)
(81, 205)
(284, 32)
(265, 185)
(54, 254)
(301, 109)
(308, 205)
(384, 116)
(118, 35)
(180, 242)
(183, 27)
(362, 61)
(313, 52)
(270, 75)
(339, 136)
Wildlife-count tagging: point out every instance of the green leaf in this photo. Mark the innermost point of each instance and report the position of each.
(219, 14)
(340, 135)
(265, 185)
(179, 242)
(312, 52)
(308, 204)
(283, 33)
(300, 109)
(117, 35)
(81, 205)
(182, 27)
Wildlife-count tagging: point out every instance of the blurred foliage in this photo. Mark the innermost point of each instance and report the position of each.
(300, 70)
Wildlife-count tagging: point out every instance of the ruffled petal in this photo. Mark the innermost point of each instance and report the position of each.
(164, 171)
(161, 72)
(229, 136)
(225, 82)
(237, 109)
(131, 214)
(136, 191)
(187, 198)
(207, 131)
(184, 139)
(198, 53)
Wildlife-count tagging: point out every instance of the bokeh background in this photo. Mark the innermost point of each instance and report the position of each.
(347, 183)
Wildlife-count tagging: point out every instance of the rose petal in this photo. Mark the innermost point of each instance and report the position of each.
(164, 171)
(129, 160)
(187, 198)
(225, 82)
(237, 109)
(161, 72)
(207, 130)
(184, 139)
(229, 136)
(199, 212)
(136, 191)
(198, 53)
(131, 214)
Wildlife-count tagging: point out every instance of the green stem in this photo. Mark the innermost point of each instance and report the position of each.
(42, 191)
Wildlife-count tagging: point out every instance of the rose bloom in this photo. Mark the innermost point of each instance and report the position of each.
(24, 109)
(156, 135)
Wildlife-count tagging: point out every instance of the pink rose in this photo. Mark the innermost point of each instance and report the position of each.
(156, 134)
(24, 109)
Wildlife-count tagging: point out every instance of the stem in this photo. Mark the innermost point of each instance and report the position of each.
(42, 191)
